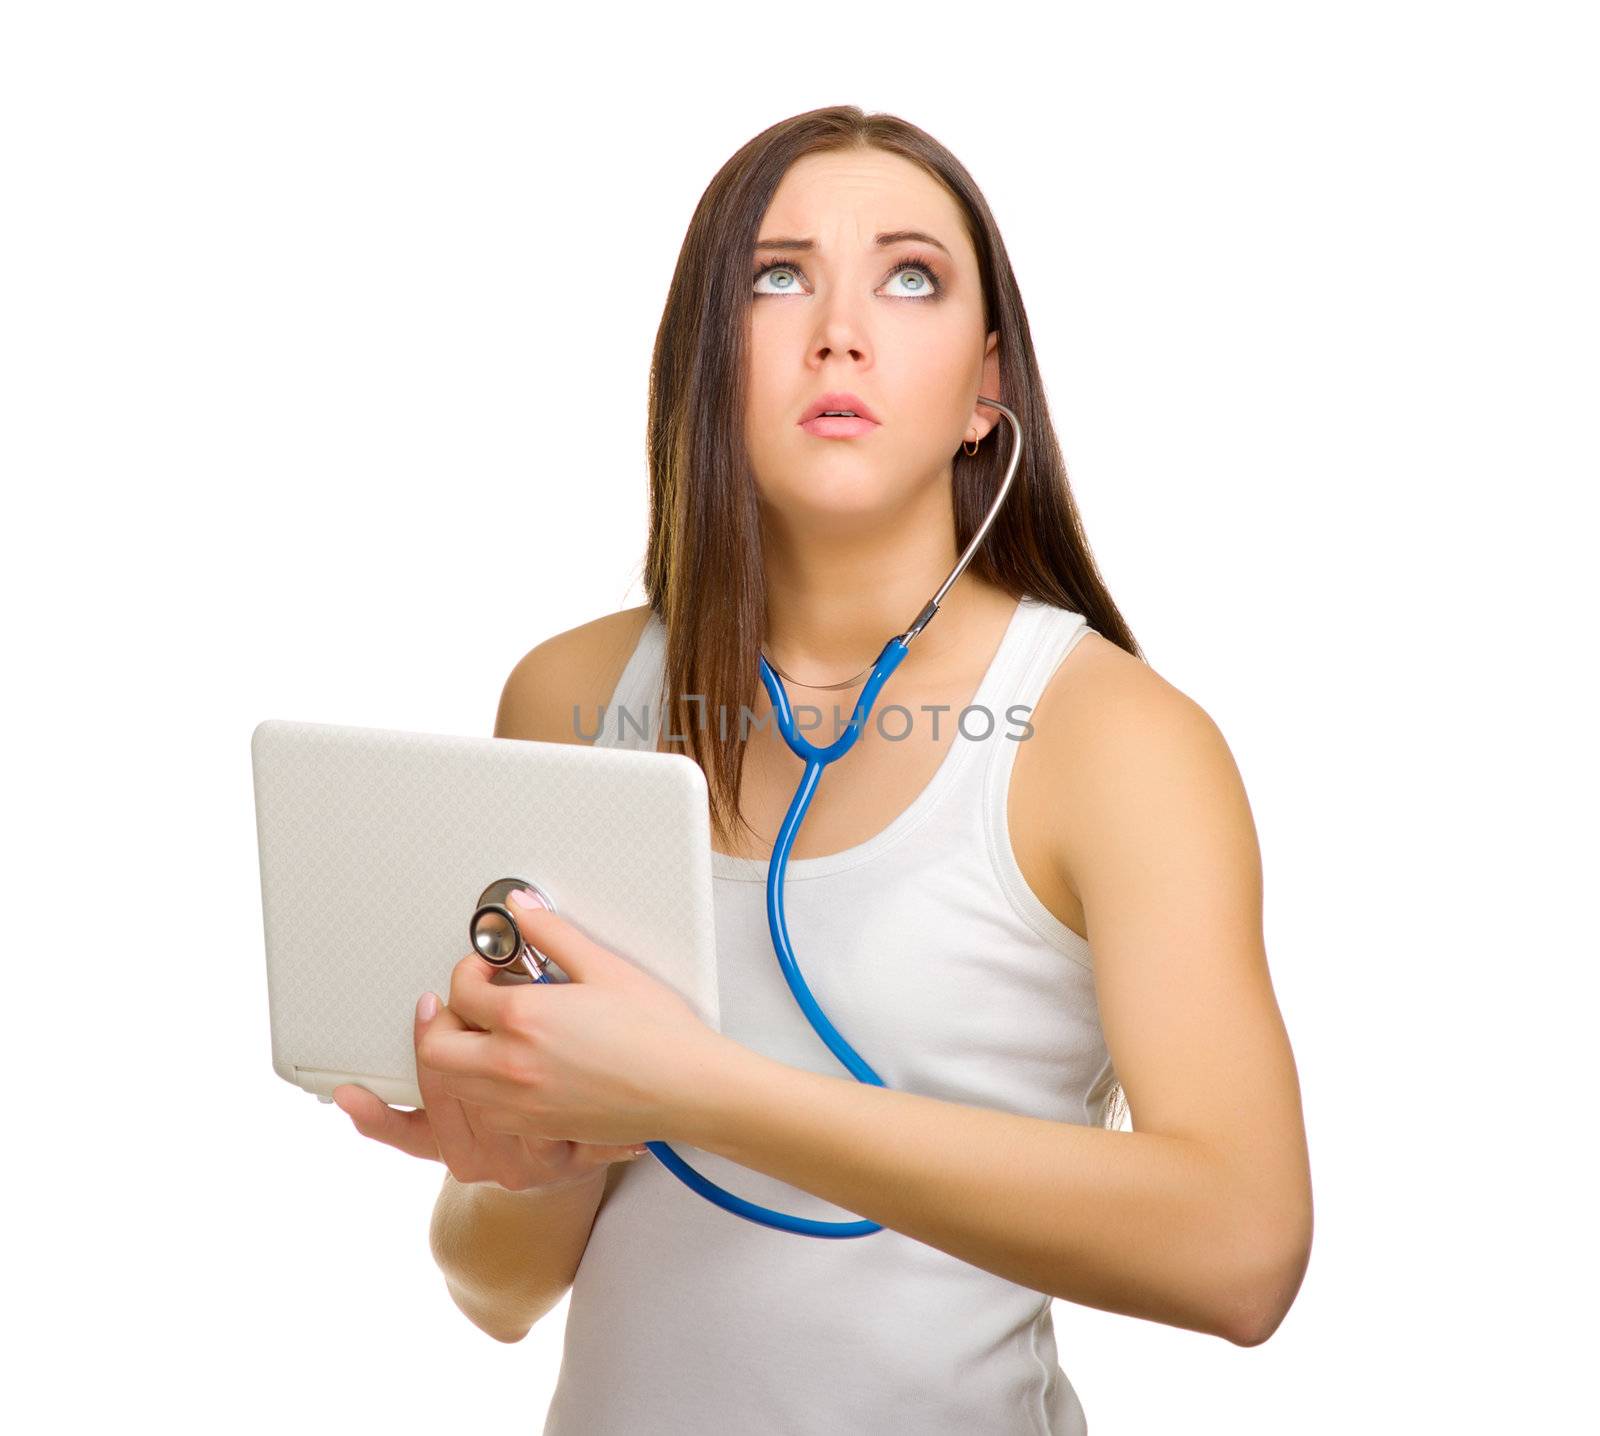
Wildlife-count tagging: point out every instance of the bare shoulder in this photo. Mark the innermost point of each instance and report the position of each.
(1120, 748)
(575, 668)
(1100, 687)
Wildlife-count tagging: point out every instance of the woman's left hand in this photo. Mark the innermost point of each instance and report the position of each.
(613, 1056)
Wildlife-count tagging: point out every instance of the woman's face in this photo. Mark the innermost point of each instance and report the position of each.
(898, 324)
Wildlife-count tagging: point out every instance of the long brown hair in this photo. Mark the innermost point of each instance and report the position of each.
(703, 572)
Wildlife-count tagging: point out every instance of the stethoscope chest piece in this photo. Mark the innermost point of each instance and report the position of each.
(495, 936)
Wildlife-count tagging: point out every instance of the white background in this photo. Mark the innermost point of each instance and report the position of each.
(325, 336)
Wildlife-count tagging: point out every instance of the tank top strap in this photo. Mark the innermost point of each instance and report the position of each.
(632, 718)
(1017, 656)
(1053, 634)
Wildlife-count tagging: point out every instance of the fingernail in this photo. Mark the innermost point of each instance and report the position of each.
(640, 1151)
(427, 1005)
(525, 899)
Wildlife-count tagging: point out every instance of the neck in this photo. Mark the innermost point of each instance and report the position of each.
(836, 595)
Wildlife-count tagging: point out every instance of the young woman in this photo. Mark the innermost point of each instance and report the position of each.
(1031, 884)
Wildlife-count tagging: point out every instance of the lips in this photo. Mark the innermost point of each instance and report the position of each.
(824, 402)
(826, 426)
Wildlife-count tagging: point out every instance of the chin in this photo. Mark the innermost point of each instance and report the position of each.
(846, 494)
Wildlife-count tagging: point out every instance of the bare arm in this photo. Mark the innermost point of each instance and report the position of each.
(509, 1257)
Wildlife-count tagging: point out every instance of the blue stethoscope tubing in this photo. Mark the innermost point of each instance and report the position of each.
(815, 760)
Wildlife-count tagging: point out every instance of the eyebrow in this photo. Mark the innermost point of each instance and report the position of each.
(887, 237)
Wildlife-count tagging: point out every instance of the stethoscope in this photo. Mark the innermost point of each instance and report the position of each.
(498, 940)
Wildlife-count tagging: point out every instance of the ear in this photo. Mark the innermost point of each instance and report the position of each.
(984, 419)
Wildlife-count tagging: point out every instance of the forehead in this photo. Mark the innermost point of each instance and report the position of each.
(845, 198)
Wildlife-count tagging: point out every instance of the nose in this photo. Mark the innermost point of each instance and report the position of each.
(841, 327)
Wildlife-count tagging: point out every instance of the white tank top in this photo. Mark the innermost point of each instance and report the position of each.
(939, 965)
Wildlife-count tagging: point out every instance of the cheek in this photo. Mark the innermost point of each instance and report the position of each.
(943, 368)
(936, 395)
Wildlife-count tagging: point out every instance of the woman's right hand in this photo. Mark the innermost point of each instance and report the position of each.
(443, 1130)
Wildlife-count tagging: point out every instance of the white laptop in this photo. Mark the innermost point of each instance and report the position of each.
(375, 846)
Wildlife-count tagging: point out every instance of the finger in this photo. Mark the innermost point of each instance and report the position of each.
(558, 1154)
(456, 1051)
(577, 955)
(467, 1043)
(453, 1130)
(504, 1122)
(409, 1131)
(580, 1156)
(459, 1123)
(477, 1091)
(484, 1139)
(477, 996)
(595, 1155)
(552, 1150)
